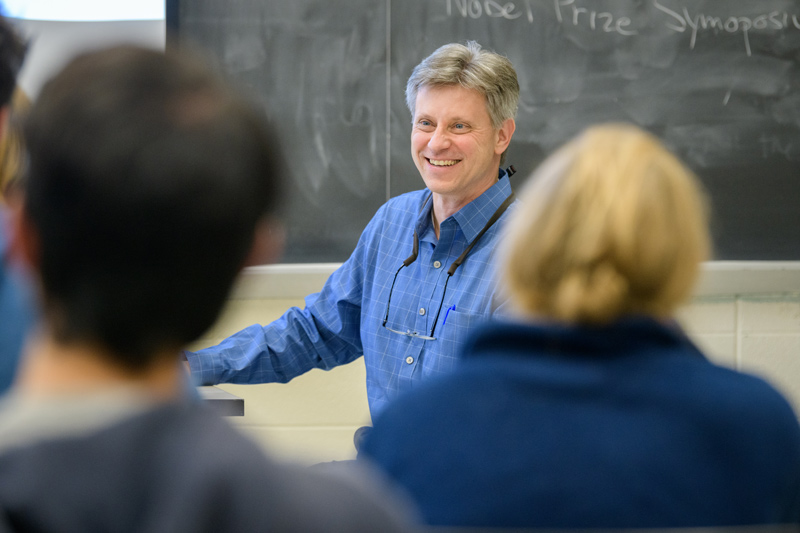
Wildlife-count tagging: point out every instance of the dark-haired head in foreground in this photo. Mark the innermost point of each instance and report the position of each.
(146, 186)
(12, 54)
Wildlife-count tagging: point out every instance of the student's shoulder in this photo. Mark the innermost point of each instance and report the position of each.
(750, 400)
(347, 496)
(262, 493)
(428, 407)
(751, 388)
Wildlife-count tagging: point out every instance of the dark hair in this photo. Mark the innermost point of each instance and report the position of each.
(148, 176)
(12, 54)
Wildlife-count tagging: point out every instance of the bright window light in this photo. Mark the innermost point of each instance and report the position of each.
(85, 10)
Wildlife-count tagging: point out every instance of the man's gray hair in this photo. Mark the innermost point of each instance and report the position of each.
(471, 67)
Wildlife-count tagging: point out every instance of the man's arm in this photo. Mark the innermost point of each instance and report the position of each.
(325, 334)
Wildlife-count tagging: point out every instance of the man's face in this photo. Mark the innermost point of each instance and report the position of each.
(453, 143)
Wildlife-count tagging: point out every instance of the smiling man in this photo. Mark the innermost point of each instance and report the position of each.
(421, 276)
(456, 146)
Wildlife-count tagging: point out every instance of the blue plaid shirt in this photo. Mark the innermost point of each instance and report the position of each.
(344, 320)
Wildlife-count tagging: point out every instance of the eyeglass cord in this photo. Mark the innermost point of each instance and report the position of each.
(454, 266)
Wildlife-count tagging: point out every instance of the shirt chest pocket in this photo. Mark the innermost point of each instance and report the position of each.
(451, 334)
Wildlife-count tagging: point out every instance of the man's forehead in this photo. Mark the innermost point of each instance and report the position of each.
(434, 96)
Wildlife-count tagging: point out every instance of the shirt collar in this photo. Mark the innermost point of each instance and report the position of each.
(472, 217)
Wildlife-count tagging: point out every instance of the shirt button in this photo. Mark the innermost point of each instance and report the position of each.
(437, 264)
(409, 359)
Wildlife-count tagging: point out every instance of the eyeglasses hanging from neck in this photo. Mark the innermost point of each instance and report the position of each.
(450, 271)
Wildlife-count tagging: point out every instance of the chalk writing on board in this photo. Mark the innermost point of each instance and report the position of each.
(676, 19)
(772, 145)
(477, 8)
(774, 20)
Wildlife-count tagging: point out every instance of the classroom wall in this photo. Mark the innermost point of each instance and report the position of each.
(54, 43)
(313, 418)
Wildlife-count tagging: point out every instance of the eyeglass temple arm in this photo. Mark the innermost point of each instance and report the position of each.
(444, 291)
(414, 252)
(389, 300)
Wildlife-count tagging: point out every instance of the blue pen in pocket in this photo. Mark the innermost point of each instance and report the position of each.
(451, 308)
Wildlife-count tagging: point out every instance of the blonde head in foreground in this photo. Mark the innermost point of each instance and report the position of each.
(612, 224)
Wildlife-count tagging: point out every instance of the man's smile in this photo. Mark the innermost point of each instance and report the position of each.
(442, 162)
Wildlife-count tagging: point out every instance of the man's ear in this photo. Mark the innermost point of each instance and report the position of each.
(504, 135)
(268, 242)
(23, 241)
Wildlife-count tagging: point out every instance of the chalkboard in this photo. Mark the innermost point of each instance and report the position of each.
(716, 80)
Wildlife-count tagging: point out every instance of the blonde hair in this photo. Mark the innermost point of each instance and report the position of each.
(611, 224)
(12, 147)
